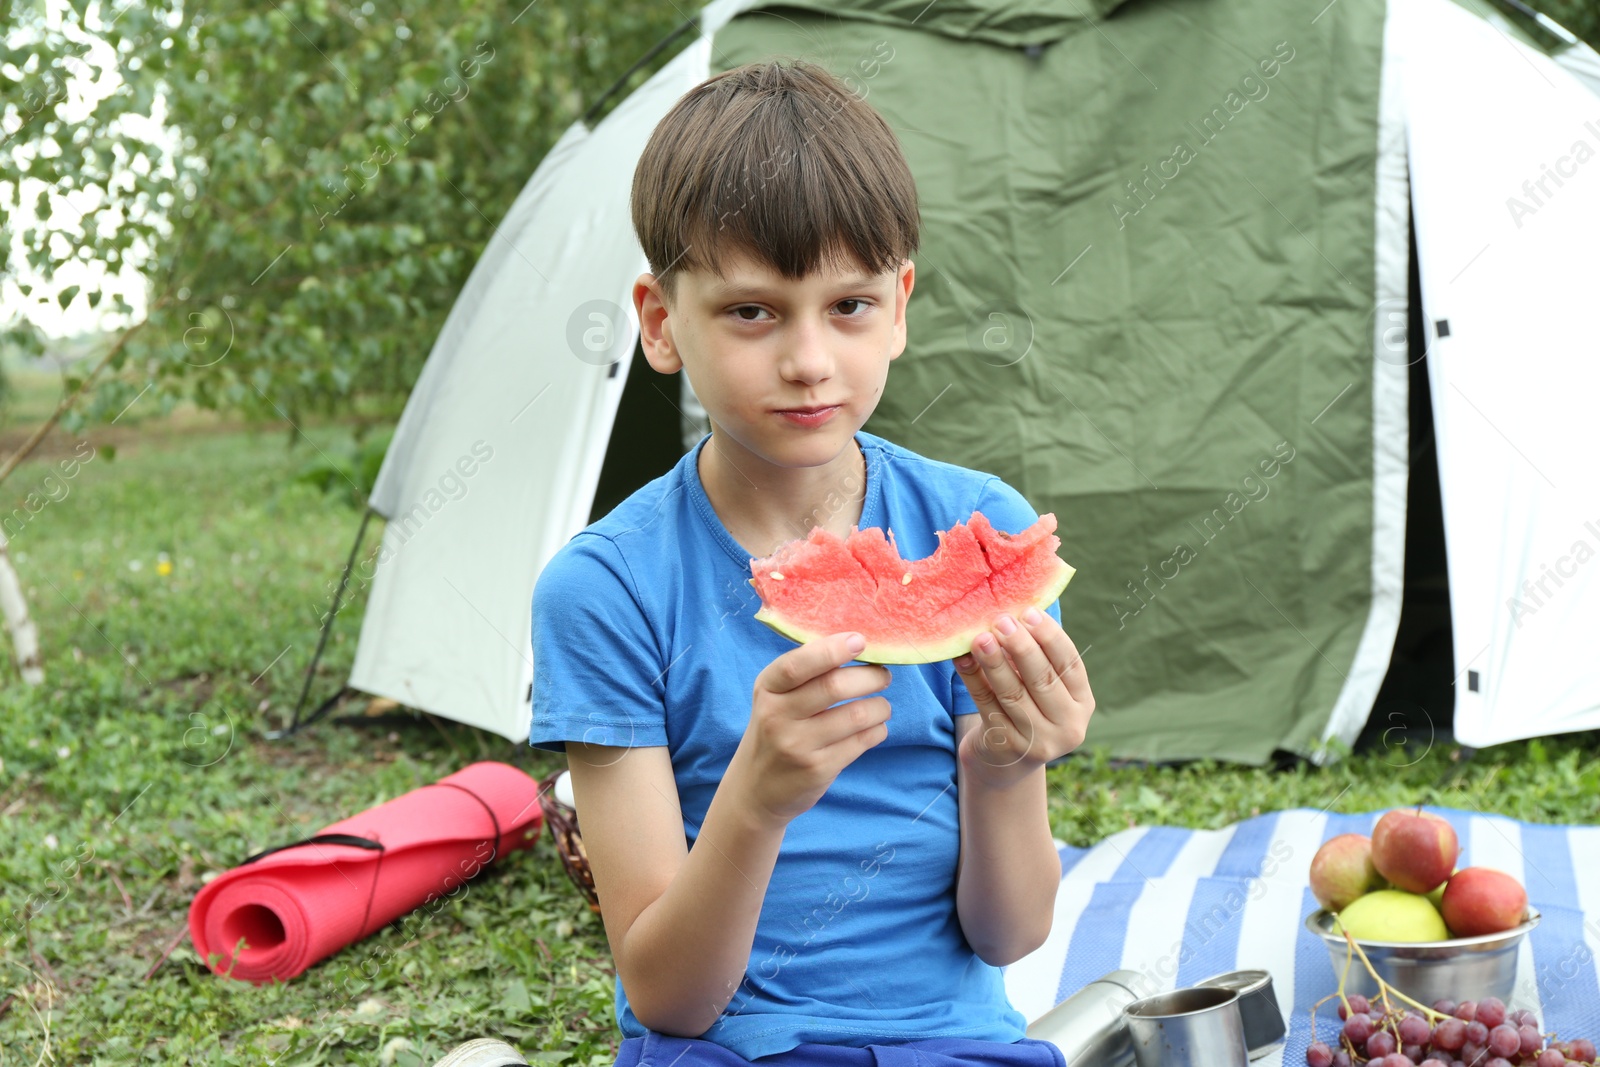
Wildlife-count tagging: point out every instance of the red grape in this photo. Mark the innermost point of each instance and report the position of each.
(1414, 1030)
(1467, 1009)
(1341, 1059)
(1400, 1059)
(1503, 1040)
(1583, 1050)
(1380, 1044)
(1531, 1041)
(1552, 1057)
(1491, 1012)
(1445, 1005)
(1450, 1035)
(1358, 1028)
(1478, 1033)
(1431, 1062)
(1412, 1053)
(1319, 1055)
(1357, 1003)
(1473, 1054)
(1499, 1061)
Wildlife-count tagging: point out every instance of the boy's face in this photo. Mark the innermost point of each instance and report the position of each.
(755, 344)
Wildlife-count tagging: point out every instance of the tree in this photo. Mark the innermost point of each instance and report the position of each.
(305, 195)
(331, 174)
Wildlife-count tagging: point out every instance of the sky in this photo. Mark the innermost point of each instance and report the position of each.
(84, 91)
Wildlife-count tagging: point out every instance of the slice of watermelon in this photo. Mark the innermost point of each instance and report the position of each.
(917, 611)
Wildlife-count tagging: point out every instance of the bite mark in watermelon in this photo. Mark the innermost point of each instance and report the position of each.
(910, 611)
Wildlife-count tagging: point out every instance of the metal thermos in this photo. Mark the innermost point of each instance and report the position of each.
(1089, 1026)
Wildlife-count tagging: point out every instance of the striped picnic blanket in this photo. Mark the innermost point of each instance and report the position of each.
(1179, 905)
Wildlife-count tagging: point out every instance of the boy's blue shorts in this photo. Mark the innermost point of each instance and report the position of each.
(663, 1050)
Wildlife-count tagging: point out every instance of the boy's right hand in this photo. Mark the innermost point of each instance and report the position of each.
(796, 744)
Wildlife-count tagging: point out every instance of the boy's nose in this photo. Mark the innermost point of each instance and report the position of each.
(807, 357)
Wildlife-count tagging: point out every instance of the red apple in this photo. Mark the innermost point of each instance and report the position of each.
(1342, 870)
(1414, 850)
(1482, 900)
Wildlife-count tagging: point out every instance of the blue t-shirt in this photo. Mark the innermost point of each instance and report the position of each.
(644, 634)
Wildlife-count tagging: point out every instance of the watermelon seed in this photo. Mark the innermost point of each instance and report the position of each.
(905, 579)
(777, 575)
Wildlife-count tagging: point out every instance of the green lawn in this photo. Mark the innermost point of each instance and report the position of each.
(177, 588)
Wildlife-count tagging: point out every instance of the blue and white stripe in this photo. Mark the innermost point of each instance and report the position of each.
(1178, 905)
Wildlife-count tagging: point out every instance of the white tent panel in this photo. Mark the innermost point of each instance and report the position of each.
(502, 440)
(1390, 393)
(1505, 172)
(1583, 63)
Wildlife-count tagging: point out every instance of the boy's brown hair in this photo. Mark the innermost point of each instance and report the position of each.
(779, 161)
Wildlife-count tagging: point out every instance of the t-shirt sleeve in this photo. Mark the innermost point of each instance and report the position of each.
(597, 665)
(1009, 511)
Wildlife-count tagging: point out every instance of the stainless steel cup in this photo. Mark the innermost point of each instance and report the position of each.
(1089, 1027)
(1258, 1008)
(1198, 1026)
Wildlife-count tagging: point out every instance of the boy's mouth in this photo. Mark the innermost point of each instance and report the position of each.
(813, 416)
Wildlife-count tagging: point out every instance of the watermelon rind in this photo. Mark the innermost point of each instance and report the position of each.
(950, 647)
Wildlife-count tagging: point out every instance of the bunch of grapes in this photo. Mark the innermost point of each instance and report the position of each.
(1469, 1034)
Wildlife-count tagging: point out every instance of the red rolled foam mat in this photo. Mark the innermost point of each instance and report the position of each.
(299, 903)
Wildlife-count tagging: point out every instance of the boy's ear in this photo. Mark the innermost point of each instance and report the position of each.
(655, 327)
(904, 281)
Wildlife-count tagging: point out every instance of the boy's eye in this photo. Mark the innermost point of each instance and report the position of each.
(751, 312)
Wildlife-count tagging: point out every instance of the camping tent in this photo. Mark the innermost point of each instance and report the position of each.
(1163, 291)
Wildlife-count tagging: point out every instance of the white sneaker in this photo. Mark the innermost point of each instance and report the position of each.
(483, 1052)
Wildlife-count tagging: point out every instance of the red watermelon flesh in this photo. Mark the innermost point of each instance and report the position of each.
(910, 611)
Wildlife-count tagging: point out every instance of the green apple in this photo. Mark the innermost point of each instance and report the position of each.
(1392, 915)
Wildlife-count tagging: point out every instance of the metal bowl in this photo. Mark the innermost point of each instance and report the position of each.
(1460, 968)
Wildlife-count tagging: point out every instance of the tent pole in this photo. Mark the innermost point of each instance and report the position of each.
(1549, 25)
(296, 724)
(594, 108)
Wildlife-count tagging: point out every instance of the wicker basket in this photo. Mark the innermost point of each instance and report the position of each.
(563, 823)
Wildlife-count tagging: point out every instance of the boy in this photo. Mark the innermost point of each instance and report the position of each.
(788, 872)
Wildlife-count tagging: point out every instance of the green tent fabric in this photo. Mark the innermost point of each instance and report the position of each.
(1014, 23)
(1144, 298)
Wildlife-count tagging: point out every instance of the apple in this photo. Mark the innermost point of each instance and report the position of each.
(1436, 894)
(1482, 900)
(1342, 870)
(1414, 850)
(1391, 915)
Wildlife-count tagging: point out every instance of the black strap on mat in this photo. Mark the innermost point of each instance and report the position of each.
(494, 820)
(320, 839)
(378, 846)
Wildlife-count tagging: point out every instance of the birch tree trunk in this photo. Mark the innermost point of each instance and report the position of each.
(24, 634)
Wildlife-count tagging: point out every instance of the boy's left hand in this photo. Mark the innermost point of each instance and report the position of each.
(1033, 698)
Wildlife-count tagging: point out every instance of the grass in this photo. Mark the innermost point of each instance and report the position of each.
(178, 588)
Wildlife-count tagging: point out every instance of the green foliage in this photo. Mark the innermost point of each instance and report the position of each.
(338, 169)
(178, 595)
(1550, 780)
(347, 468)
